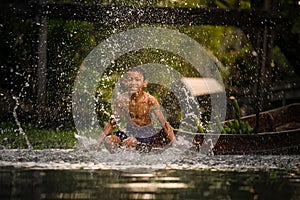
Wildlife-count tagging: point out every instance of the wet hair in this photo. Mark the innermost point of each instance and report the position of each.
(139, 70)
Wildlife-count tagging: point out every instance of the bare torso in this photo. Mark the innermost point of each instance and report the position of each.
(138, 107)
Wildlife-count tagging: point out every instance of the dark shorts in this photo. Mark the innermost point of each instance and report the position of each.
(122, 135)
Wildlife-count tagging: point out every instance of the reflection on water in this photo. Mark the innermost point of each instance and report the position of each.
(146, 183)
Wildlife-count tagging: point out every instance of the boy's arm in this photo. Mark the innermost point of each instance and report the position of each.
(169, 131)
(108, 128)
(167, 127)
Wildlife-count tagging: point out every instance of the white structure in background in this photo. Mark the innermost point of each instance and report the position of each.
(202, 86)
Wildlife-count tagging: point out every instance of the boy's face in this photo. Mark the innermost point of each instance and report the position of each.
(135, 82)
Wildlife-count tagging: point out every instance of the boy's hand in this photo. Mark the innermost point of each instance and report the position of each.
(112, 121)
(169, 132)
(107, 130)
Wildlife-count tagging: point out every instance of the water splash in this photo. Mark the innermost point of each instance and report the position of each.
(21, 131)
(125, 157)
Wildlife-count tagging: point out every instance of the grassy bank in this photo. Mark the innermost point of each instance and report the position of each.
(11, 137)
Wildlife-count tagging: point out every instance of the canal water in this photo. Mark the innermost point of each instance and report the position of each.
(82, 174)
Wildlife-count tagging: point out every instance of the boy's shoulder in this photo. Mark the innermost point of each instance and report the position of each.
(151, 99)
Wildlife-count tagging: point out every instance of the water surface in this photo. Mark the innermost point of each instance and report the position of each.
(170, 174)
(141, 183)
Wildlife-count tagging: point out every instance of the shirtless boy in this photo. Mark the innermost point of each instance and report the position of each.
(136, 106)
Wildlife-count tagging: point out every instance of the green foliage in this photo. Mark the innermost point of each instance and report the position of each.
(103, 96)
(237, 126)
(68, 44)
(200, 127)
(11, 138)
(282, 67)
(233, 4)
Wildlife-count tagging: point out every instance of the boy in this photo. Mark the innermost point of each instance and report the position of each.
(136, 107)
